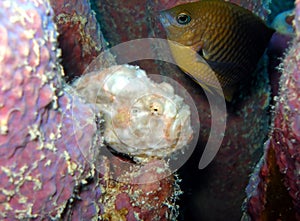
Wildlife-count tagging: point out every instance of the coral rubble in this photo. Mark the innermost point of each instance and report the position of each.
(79, 37)
(150, 196)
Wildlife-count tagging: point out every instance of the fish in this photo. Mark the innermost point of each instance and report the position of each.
(229, 39)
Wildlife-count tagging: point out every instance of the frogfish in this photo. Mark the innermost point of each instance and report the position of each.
(229, 39)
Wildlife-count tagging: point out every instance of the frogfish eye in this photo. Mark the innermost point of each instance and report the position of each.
(183, 18)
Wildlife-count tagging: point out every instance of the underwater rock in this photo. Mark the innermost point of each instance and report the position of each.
(85, 202)
(145, 193)
(259, 7)
(247, 126)
(273, 191)
(121, 20)
(79, 37)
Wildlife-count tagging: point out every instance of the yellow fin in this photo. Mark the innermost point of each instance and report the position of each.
(204, 86)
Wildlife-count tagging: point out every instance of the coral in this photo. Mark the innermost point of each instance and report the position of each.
(283, 22)
(146, 198)
(273, 191)
(52, 141)
(39, 147)
(278, 6)
(126, 191)
(48, 133)
(259, 7)
(278, 45)
(79, 35)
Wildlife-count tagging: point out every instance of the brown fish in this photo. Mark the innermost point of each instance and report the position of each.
(231, 40)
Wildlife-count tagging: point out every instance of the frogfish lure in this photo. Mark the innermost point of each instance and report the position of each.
(229, 38)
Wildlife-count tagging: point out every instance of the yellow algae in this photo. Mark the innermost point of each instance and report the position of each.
(48, 163)
(23, 199)
(8, 193)
(71, 167)
(50, 146)
(36, 48)
(3, 126)
(7, 206)
(34, 132)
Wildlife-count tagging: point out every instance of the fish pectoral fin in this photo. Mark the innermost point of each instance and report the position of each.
(205, 87)
(227, 67)
(198, 81)
(229, 92)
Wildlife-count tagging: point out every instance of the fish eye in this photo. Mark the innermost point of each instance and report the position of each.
(183, 18)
